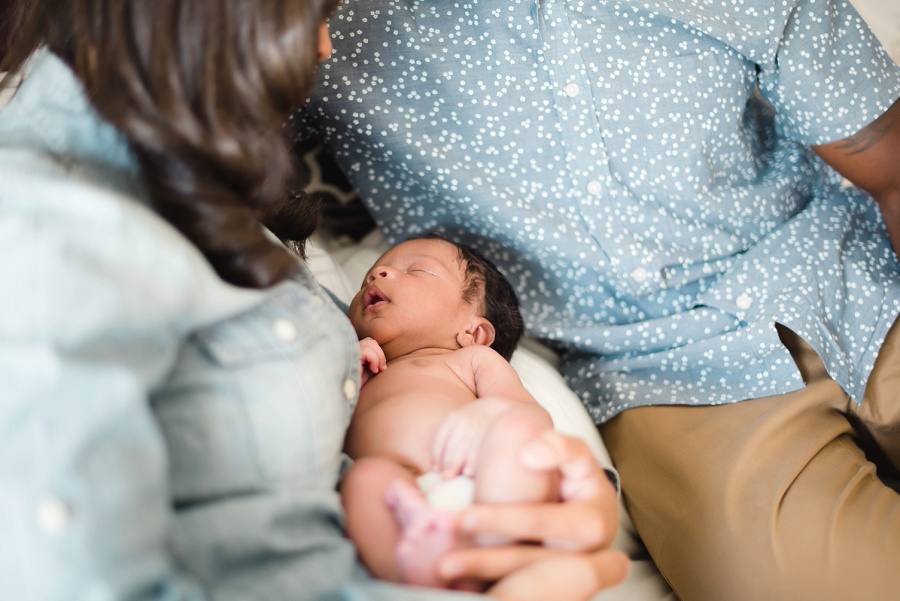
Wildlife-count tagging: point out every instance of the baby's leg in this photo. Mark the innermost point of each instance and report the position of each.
(427, 535)
(500, 476)
(398, 535)
(371, 524)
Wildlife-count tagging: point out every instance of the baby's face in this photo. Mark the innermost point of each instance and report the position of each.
(415, 290)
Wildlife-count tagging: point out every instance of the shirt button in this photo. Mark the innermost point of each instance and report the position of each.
(53, 515)
(572, 90)
(594, 187)
(349, 389)
(639, 275)
(284, 329)
(743, 302)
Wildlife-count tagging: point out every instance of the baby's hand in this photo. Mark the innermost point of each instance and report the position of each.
(371, 359)
(458, 439)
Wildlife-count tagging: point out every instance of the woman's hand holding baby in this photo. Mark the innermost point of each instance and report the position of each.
(573, 559)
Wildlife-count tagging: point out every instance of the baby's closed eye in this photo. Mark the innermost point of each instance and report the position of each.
(419, 269)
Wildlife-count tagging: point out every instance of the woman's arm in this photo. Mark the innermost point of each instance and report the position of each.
(83, 468)
(870, 159)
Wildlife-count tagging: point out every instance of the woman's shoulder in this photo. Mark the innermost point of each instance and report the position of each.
(79, 241)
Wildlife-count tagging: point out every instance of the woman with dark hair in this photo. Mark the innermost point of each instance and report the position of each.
(175, 385)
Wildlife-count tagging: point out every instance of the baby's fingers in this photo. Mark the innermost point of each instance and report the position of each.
(438, 446)
(455, 447)
(373, 355)
(454, 457)
(376, 364)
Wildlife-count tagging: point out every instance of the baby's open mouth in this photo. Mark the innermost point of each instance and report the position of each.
(373, 297)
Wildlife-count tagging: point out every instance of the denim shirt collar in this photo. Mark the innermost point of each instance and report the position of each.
(52, 107)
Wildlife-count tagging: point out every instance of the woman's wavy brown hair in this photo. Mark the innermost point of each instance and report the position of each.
(201, 89)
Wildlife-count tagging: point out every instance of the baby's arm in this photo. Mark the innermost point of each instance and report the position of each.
(492, 375)
(371, 359)
(498, 390)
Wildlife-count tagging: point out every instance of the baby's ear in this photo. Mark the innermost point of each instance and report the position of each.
(479, 332)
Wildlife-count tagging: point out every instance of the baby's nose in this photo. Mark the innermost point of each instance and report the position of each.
(380, 272)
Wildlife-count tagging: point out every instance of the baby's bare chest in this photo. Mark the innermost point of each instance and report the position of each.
(401, 408)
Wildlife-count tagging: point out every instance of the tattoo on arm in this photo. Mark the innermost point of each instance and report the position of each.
(868, 136)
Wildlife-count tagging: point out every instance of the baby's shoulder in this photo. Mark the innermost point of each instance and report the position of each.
(478, 354)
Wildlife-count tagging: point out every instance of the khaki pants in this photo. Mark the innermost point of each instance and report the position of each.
(772, 498)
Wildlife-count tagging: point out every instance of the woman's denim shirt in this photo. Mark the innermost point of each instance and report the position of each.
(163, 435)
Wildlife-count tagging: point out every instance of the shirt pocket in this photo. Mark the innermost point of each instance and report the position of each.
(676, 125)
(259, 398)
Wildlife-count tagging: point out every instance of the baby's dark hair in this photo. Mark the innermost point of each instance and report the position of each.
(499, 303)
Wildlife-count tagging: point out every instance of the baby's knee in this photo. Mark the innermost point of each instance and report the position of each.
(371, 474)
(520, 424)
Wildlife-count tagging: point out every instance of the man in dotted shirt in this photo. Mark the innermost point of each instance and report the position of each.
(662, 183)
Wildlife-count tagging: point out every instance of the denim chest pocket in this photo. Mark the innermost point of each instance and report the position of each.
(259, 398)
(272, 331)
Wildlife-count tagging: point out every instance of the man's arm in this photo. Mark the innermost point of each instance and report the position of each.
(871, 160)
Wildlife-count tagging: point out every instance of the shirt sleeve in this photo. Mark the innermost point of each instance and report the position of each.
(85, 330)
(829, 75)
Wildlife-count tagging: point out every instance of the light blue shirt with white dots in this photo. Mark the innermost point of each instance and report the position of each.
(639, 170)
